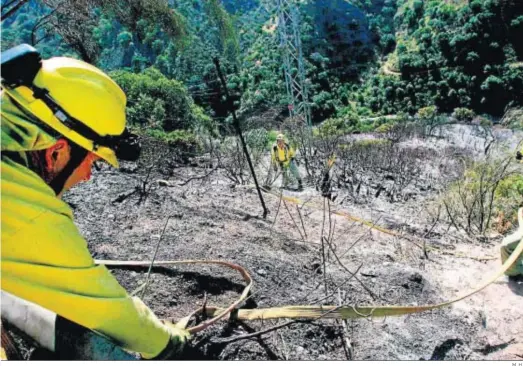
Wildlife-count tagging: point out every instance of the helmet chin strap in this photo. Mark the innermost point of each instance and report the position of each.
(77, 156)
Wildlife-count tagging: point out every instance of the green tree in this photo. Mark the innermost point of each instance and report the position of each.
(158, 102)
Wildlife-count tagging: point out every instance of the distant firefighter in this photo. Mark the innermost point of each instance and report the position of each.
(283, 156)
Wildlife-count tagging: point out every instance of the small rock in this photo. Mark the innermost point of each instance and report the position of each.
(110, 216)
(300, 350)
(261, 272)
(317, 267)
(129, 168)
(155, 236)
(163, 183)
(416, 277)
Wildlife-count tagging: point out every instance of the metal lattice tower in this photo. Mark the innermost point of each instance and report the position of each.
(289, 34)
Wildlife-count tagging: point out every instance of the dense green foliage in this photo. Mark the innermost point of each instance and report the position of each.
(157, 102)
(365, 57)
(21, 29)
(453, 56)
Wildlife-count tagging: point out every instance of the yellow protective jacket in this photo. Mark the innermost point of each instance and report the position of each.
(282, 156)
(45, 260)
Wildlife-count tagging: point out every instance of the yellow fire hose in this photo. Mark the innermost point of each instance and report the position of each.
(311, 312)
(372, 225)
(303, 312)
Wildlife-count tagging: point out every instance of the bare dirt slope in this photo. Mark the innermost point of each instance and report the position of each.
(213, 219)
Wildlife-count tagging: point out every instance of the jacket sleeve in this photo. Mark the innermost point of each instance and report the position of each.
(292, 153)
(273, 154)
(51, 266)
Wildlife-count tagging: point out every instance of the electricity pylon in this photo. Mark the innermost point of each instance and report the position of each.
(289, 34)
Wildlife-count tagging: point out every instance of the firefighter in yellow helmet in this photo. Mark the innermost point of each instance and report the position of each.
(283, 156)
(59, 116)
(509, 244)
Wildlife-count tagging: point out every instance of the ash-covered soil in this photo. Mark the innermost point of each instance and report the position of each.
(214, 219)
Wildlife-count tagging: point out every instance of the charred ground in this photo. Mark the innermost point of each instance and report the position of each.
(213, 218)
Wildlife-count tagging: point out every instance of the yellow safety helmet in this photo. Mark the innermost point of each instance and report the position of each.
(77, 100)
(280, 137)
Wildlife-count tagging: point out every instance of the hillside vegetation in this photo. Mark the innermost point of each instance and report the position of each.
(447, 54)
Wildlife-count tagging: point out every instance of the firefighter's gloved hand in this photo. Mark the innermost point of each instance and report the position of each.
(177, 343)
